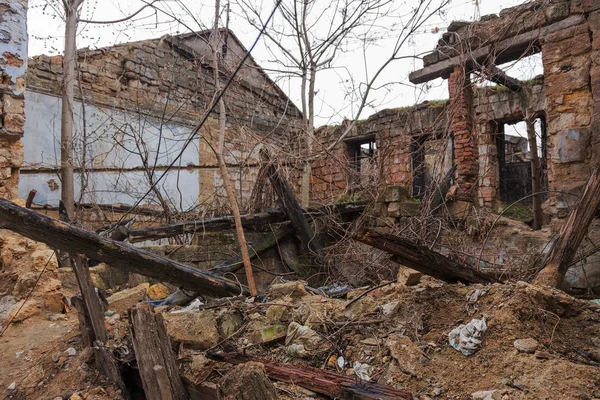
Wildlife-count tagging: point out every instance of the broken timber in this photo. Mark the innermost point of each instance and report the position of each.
(329, 383)
(155, 358)
(572, 234)
(423, 259)
(226, 223)
(290, 205)
(68, 238)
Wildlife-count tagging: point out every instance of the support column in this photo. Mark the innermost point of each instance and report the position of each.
(13, 65)
(465, 143)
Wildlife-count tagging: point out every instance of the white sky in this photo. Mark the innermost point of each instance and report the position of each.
(46, 31)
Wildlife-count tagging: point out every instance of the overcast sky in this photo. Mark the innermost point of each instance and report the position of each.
(353, 65)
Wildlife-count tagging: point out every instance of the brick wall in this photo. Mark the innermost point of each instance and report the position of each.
(13, 64)
(465, 142)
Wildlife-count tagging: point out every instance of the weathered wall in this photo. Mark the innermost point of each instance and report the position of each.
(428, 127)
(13, 65)
(146, 97)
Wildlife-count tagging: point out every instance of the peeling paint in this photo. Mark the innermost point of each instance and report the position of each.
(13, 43)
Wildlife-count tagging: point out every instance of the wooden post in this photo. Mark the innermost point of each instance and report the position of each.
(93, 306)
(572, 234)
(30, 198)
(155, 358)
(536, 175)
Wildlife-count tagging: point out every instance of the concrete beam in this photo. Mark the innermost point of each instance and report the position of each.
(506, 50)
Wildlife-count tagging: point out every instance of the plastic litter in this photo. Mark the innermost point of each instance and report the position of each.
(467, 338)
(363, 370)
(301, 341)
(194, 306)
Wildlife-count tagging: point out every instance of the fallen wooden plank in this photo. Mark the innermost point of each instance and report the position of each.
(325, 382)
(155, 358)
(68, 238)
(226, 223)
(572, 234)
(423, 259)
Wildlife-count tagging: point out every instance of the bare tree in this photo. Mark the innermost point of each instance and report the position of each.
(311, 35)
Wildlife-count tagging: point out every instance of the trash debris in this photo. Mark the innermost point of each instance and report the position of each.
(194, 306)
(71, 352)
(363, 370)
(472, 298)
(467, 338)
(301, 341)
(12, 386)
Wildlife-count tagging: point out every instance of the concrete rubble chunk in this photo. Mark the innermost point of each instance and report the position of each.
(528, 345)
(198, 329)
(122, 301)
(294, 289)
(248, 381)
(408, 276)
(406, 353)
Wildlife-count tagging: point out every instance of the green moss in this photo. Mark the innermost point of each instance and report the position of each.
(521, 212)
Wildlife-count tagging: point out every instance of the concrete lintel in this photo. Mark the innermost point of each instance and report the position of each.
(506, 50)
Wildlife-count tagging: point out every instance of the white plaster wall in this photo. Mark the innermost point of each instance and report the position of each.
(114, 140)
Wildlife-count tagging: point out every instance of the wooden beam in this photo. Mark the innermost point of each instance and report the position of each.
(248, 221)
(506, 50)
(500, 77)
(423, 259)
(71, 239)
(287, 201)
(572, 234)
(155, 359)
(332, 384)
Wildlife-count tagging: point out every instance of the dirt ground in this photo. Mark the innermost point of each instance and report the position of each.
(400, 332)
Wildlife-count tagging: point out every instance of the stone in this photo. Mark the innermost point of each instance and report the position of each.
(408, 276)
(405, 352)
(272, 333)
(229, 322)
(484, 395)
(198, 329)
(71, 352)
(361, 307)
(30, 308)
(528, 345)
(75, 396)
(278, 313)
(122, 301)
(158, 292)
(248, 381)
(293, 289)
(53, 302)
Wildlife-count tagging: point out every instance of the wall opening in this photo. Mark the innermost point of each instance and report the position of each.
(514, 159)
(432, 155)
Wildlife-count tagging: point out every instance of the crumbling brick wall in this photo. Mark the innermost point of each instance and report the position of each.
(165, 81)
(13, 64)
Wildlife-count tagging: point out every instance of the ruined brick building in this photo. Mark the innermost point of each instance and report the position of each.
(467, 130)
(141, 102)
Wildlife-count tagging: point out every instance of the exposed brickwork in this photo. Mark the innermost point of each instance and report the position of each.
(465, 142)
(13, 64)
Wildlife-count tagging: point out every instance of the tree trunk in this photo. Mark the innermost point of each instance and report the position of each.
(223, 166)
(536, 175)
(68, 95)
(116, 254)
(572, 234)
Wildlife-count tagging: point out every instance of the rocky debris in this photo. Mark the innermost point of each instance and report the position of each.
(406, 354)
(485, 395)
(293, 289)
(122, 301)
(229, 322)
(248, 381)
(528, 345)
(273, 333)
(158, 291)
(408, 276)
(196, 329)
